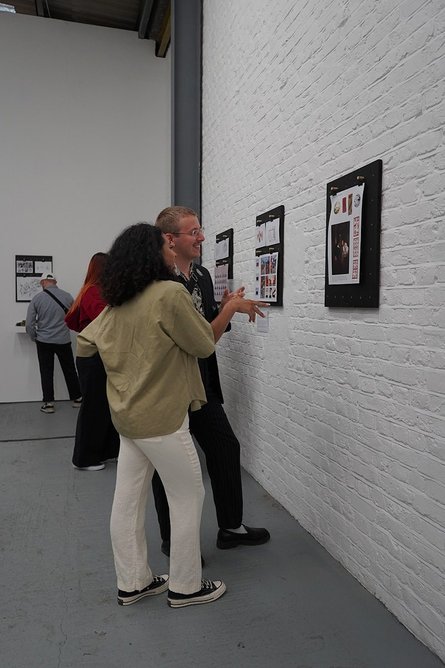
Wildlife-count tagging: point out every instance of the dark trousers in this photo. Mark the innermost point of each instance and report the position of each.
(45, 353)
(215, 436)
(96, 438)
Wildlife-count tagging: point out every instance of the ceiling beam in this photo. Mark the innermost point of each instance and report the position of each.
(39, 8)
(145, 19)
(163, 44)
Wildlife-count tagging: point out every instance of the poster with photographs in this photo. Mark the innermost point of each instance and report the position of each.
(344, 236)
(221, 281)
(268, 233)
(266, 278)
(353, 222)
(28, 270)
(269, 252)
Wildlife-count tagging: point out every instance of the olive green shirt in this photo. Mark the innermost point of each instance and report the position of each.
(149, 347)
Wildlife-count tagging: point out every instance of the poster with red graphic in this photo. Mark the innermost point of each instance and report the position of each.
(266, 277)
(344, 236)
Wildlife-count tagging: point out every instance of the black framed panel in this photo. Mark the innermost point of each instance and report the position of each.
(28, 270)
(269, 265)
(365, 293)
(222, 236)
(223, 263)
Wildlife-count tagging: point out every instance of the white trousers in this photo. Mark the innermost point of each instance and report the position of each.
(175, 458)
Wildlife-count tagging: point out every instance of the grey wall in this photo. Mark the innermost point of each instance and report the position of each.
(85, 151)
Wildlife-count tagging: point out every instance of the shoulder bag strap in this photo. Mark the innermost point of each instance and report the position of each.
(56, 300)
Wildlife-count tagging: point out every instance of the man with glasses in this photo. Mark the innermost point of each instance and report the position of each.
(210, 425)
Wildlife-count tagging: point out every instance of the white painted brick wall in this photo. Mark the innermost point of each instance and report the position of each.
(340, 412)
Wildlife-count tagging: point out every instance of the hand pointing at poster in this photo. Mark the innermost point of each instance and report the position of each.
(227, 295)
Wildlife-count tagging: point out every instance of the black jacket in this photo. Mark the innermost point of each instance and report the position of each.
(209, 366)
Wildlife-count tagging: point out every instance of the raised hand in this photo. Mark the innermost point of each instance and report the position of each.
(249, 306)
(235, 302)
(227, 295)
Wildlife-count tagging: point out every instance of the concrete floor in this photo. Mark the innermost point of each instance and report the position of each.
(288, 602)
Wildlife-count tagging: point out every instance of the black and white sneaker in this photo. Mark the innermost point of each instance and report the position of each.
(210, 591)
(47, 407)
(159, 584)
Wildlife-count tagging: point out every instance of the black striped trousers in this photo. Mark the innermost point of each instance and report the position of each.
(213, 433)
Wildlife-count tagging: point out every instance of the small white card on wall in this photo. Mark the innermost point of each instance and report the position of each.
(262, 324)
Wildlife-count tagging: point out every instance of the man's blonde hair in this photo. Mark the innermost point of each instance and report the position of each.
(169, 218)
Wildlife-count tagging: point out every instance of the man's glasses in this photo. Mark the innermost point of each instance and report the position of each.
(193, 233)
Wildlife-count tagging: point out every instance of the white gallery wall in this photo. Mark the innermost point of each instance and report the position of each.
(340, 412)
(85, 151)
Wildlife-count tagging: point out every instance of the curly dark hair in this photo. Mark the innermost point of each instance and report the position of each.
(134, 261)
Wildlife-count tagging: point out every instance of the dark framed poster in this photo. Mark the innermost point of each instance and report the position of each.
(353, 213)
(223, 263)
(269, 251)
(28, 270)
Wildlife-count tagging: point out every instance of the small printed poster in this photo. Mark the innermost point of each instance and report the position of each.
(222, 249)
(266, 277)
(272, 232)
(260, 239)
(262, 324)
(344, 236)
(221, 282)
(28, 270)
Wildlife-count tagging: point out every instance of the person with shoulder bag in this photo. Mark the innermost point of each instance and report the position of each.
(45, 325)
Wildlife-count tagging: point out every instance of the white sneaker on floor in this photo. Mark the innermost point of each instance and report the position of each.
(47, 407)
(97, 467)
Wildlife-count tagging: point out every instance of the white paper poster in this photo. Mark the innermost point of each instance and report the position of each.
(43, 267)
(262, 324)
(344, 236)
(27, 287)
(272, 232)
(222, 249)
(260, 239)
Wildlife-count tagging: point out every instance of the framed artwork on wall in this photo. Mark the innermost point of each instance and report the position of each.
(352, 263)
(223, 263)
(28, 270)
(269, 255)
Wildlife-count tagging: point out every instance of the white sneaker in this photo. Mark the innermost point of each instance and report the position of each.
(47, 407)
(97, 467)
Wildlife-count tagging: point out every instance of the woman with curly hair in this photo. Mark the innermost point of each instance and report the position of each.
(149, 338)
(96, 441)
